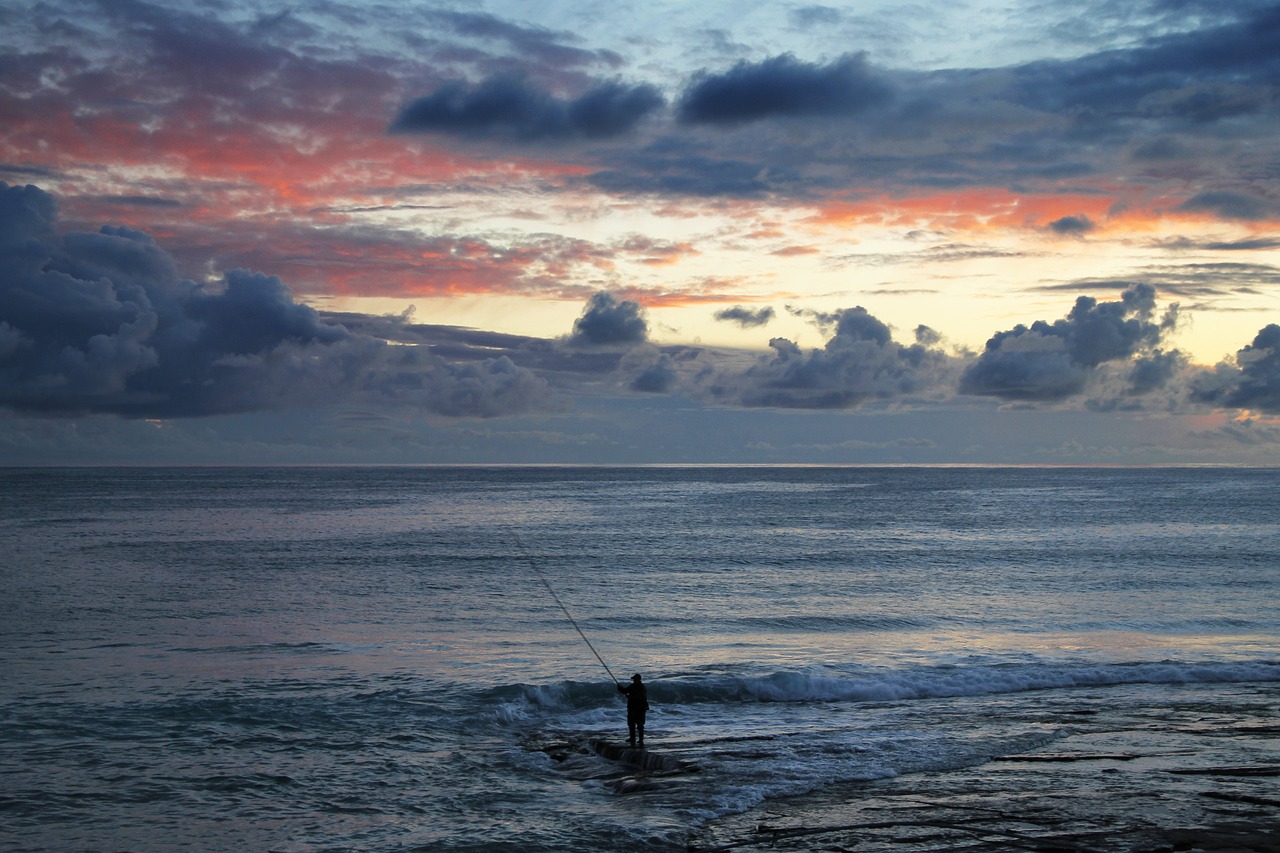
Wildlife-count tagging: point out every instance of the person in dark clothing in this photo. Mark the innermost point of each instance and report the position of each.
(637, 704)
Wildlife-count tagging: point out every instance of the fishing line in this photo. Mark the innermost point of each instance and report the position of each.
(568, 615)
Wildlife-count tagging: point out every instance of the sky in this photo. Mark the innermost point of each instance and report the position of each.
(964, 232)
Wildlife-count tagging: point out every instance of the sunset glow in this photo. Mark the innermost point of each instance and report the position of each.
(577, 223)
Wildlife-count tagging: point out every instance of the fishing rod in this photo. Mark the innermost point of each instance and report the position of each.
(567, 614)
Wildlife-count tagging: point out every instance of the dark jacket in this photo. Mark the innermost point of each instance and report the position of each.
(637, 697)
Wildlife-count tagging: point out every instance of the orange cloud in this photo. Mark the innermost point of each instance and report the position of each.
(652, 252)
(226, 192)
(966, 210)
(224, 168)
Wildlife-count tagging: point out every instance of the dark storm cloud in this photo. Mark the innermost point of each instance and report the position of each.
(783, 86)
(607, 322)
(746, 317)
(103, 322)
(1253, 382)
(508, 107)
(1053, 361)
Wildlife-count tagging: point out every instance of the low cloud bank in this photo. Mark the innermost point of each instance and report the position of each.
(1052, 361)
(103, 323)
(1252, 382)
(861, 362)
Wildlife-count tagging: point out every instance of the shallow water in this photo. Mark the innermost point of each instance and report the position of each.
(328, 659)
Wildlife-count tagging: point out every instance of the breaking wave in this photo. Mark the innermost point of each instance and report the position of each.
(892, 685)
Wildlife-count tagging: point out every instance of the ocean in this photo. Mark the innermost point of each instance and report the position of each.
(328, 659)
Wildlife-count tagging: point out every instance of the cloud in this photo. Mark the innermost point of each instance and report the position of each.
(139, 201)
(532, 43)
(381, 259)
(482, 389)
(1197, 77)
(1072, 225)
(1187, 280)
(15, 170)
(195, 49)
(1252, 431)
(103, 323)
(657, 377)
(927, 336)
(746, 317)
(783, 86)
(1231, 205)
(607, 322)
(860, 363)
(1053, 361)
(1253, 382)
(806, 17)
(1250, 244)
(307, 104)
(507, 107)
(1029, 126)
(672, 167)
(1155, 370)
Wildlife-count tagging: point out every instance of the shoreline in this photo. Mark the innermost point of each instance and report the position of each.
(1194, 782)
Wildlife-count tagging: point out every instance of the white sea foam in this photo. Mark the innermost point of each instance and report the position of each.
(895, 685)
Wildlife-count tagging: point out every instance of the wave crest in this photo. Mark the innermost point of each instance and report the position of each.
(888, 685)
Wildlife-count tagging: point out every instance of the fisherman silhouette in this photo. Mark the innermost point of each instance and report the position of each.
(637, 704)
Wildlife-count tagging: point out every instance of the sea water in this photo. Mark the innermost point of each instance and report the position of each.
(376, 659)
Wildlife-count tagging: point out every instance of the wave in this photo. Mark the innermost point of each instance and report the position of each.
(943, 682)
(888, 685)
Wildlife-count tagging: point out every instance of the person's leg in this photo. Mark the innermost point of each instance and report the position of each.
(631, 731)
